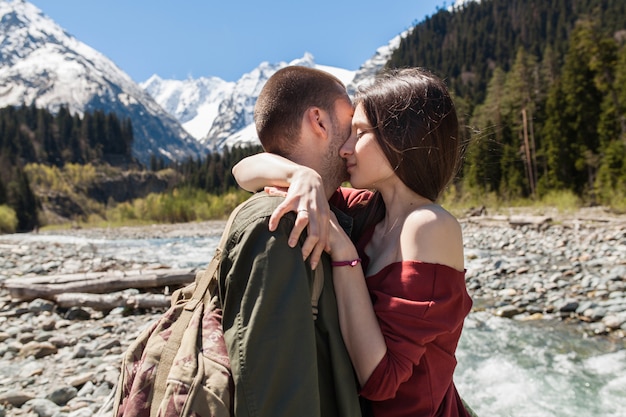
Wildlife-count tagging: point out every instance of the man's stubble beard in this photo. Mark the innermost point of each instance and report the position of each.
(334, 166)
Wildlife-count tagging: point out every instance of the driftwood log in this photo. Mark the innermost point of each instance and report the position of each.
(513, 221)
(107, 302)
(517, 221)
(51, 286)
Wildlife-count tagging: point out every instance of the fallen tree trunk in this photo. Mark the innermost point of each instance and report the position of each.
(106, 302)
(529, 220)
(26, 288)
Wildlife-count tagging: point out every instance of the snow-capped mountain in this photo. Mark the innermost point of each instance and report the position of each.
(193, 102)
(235, 112)
(372, 66)
(233, 123)
(220, 113)
(41, 63)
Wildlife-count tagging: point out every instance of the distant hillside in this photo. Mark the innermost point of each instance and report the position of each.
(466, 45)
(43, 65)
(32, 135)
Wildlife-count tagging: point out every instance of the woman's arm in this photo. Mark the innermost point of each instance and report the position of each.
(267, 169)
(305, 196)
(359, 325)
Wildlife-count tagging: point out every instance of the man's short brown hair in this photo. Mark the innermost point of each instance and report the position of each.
(284, 99)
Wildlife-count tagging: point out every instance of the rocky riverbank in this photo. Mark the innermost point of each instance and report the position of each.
(570, 268)
(64, 362)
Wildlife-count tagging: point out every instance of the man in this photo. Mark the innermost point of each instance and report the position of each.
(284, 362)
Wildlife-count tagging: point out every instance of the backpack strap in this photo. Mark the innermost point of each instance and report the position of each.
(206, 281)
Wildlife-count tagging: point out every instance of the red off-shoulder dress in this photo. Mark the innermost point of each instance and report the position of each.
(420, 308)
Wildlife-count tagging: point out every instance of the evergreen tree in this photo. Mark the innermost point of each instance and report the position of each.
(612, 170)
(228, 181)
(576, 115)
(127, 137)
(99, 132)
(64, 126)
(620, 88)
(87, 136)
(113, 142)
(154, 164)
(555, 148)
(22, 199)
(44, 135)
(482, 166)
(3, 192)
(521, 99)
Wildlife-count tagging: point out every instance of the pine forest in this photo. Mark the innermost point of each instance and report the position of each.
(540, 88)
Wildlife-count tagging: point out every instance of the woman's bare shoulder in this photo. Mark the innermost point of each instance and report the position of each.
(432, 234)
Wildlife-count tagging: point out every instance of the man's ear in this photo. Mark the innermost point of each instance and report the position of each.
(318, 121)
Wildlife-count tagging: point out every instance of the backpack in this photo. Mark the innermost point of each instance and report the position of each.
(179, 365)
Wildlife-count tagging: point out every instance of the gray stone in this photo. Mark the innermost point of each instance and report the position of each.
(585, 305)
(62, 395)
(48, 266)
(81, 379)
(613, 321)
(568, 306)
(43, 337)
(42, 407)
(81, 412)
(48, 323)
(38, 350)
(618, 273)
(34, 269)
(595, 314)
(509, 311)
(108, 344)
(102, 391)
(86, 390)
(25, 337)
(15, 398)
(80, 351)
(33, 368)
(39, 305)
(77, 313)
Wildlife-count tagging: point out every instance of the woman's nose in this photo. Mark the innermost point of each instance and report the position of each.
(348, 147)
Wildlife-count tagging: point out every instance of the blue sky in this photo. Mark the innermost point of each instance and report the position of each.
(194, 38)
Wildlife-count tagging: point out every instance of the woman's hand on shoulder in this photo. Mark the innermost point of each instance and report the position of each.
(307, 198)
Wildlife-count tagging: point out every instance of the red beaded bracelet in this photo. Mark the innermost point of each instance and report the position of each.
(353, 262)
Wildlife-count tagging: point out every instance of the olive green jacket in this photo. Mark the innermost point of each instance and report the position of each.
(284, 362)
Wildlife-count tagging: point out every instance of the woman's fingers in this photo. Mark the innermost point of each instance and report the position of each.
(320, 244)
(302, 220)
(311, 214)
(276, 191)
(283, 208)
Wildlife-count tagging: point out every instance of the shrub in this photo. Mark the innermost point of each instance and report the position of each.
(178, 206)
(8, 219)
(564, 200)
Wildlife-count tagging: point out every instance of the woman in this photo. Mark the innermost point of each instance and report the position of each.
(402, 312)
